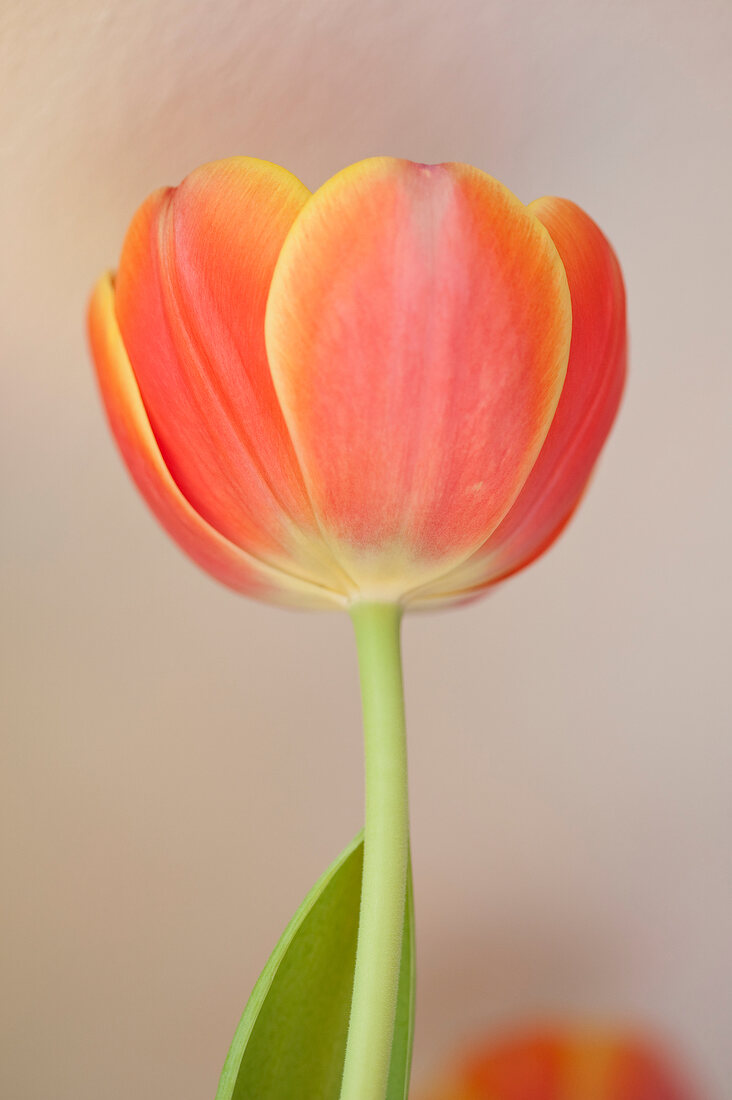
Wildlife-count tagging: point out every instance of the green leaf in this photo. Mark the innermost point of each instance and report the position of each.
(291, 1040)
(401, 1051)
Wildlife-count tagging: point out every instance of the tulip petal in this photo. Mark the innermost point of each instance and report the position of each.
(131, 428)
(190, 298)
(638, 1073)
(418, 330)
(525, 1067)
(586, 410)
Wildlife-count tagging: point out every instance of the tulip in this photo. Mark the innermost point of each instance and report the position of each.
(393, 389)
(389, 393)
(558, 1064)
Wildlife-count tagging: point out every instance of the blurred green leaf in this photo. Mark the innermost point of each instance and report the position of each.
(290, 1043)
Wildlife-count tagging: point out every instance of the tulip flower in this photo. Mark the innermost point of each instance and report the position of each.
(560, 1064)
(386, 394)
(393, 389)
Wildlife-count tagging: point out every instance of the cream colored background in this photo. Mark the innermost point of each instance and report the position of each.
(180, 764)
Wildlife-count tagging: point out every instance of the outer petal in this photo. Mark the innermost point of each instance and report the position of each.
(418, 330)
(637, 1074)
(586, 410)
(190, 299)
(531, 1066)
(131, 429)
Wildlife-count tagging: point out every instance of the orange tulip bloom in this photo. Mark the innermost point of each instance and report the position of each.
(552, 1065)
(393, 389)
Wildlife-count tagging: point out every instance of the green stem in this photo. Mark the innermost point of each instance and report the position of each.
(386, 854)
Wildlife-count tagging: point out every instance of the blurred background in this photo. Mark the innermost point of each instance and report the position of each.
(180, 764)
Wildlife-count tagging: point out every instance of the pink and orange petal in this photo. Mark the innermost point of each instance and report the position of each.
(136, 440)
(190, 297)
(586, 409)
(418, 331)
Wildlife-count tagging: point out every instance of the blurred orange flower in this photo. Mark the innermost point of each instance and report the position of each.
(393, 389)
(562, 1065)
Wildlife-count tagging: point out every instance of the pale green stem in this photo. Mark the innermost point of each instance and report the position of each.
(386, 854)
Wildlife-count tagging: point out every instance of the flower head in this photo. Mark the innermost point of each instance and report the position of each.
(394, 388)
(557, 1064)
